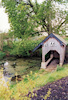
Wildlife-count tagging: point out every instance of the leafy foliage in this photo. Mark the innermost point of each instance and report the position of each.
(24, 89)
(27, 16)
(24, 48)
(2, 55)
(20, 91)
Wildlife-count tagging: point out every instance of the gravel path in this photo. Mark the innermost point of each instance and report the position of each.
(59, 90)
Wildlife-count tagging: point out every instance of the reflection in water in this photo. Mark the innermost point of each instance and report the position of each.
(21, 66)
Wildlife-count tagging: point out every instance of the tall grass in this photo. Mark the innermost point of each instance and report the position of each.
(42, 77)
(24, 90)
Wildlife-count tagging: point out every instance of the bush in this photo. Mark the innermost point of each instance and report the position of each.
(2, 55)
(24, 48)
(22, 90)
(6, 48)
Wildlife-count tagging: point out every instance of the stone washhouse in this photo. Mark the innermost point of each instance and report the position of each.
(56, 46)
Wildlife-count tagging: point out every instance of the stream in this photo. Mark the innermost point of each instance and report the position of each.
(21, 66)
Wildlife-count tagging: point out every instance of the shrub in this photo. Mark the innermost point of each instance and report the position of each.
(24, 48)
(2, 55)
(22, 91)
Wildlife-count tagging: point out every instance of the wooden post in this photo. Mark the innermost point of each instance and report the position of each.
(43, 58)
(43, 64)
(43, 54)
(62, 56)
(61, 59)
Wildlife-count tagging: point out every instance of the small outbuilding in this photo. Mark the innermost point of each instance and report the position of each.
(56, 46)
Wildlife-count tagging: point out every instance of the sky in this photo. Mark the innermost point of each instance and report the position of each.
(4, 25)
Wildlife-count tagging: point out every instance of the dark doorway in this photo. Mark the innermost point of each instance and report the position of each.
(55, 59)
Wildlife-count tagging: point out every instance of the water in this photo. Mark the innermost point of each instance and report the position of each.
(22, 66)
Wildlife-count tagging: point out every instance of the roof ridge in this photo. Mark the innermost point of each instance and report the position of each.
(49, 36)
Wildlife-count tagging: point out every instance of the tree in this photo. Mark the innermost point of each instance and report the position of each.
(27, 16)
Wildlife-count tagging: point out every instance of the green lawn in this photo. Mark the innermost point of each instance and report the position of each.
(43, 77)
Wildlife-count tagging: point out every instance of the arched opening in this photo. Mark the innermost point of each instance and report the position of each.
(55, 60)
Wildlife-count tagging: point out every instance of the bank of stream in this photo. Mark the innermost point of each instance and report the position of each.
(21, 66)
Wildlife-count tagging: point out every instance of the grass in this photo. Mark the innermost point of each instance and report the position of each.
(43, 77)
(50, 77)
(66, 38)
(33, 81)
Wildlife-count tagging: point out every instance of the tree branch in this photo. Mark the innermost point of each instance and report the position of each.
(30, 3)
(61, 24)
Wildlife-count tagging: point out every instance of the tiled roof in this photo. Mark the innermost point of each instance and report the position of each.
(58, 38)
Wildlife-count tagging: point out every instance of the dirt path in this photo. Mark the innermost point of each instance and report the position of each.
(59, 90)
(53, 63)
